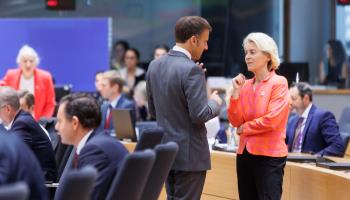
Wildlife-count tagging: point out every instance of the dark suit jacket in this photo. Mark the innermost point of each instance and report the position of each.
(105, 153)
(25, 126)
(321, 133)
(177, 98)
(18, 163)
(123, 103)
(2, 129)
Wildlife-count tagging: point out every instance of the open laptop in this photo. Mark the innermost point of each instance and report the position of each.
(124, 125)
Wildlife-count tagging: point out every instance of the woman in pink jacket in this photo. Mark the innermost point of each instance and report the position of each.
(37, 81)
(259, 109)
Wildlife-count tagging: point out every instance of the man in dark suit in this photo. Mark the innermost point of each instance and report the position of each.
(178, 100)
(111, 89)
(23, 124)
(18, 163)
(313, 130)
(77, 118)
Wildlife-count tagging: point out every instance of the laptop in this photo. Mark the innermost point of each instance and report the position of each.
(334, 166)
(124, 125)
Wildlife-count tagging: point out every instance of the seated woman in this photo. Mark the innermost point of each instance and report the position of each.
(132, 74)
(333, 67)
(36, 81)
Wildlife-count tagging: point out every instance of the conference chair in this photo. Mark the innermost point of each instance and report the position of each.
(130, 180)
(16, 191)
(149, 139)
(344, 121)
(165, 156)
(49, 124)
(77, 184)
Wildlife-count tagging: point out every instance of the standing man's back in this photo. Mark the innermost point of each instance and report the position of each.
(178, 100)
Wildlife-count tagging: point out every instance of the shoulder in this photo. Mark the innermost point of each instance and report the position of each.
(13, 72)
(322, 113)
(104, 143)
(278, 79)
(42, 73)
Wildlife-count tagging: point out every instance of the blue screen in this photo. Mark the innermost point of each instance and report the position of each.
(71, 49)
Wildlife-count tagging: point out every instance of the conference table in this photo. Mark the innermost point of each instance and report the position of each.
(301, 180)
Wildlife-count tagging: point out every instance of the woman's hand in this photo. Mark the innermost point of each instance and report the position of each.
(240, 130)
(237, 84)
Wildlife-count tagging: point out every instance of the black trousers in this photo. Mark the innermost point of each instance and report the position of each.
(184, 185)
(259, 177)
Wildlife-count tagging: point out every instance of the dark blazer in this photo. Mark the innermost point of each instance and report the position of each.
(18, 163)
(177, 98)
(2, 129)
(123, 103)
(321, 133)
(105, 153)
(25, 126)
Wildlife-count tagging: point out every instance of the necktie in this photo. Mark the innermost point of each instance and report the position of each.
(298, 140)
(108, 117)
(75, 160)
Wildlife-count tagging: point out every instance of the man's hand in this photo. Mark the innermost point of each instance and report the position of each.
(201, 65)
(214, 96)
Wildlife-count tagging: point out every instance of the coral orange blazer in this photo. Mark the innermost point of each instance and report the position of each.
(264, 114)
(44, 92)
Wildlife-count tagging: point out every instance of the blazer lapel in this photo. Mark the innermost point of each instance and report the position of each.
(308, 122)
(293, 124)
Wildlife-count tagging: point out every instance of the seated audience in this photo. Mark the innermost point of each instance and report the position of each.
(19, 164)
(27, 102)
(140, 98)
(98, 86)
(314, 130)
(132, 74)
(23, 125)
(77, 119)
(119, 49)
(111, 90)
(36, 81)
(160, 51)
(334, 66)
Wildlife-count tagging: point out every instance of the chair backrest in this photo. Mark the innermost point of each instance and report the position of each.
(149, 139)
(77, 184)
(130, 180)
(165, 156)
(49, 124)
(144, 125)
(344, 121)
(16, 191)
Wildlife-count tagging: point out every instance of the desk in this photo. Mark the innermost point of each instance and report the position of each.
(301, 181)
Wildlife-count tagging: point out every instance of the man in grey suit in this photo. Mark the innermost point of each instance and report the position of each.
(178, 100)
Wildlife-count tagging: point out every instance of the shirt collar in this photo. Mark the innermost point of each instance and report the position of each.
(306, 111)
(182, 50)
(83, 142)
(8, 127)
(267, 78)
(115, 101)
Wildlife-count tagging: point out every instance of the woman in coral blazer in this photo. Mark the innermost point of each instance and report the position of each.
(37, 81)
(259, 109)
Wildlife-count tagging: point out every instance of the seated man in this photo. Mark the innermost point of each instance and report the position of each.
(27, 101)
(111, 88)
(23, 124)
(18, 163)
(314, 130)
(77, 118)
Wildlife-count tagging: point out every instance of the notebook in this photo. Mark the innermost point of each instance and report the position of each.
(335, 166)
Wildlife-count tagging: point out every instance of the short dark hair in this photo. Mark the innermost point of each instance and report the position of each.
(28, 97)
(84, 107)
(304, 89)
(188, 26)
(123, 43)
(136, 52)
(162, 46)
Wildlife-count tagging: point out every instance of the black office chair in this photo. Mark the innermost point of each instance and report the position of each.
(49, 124)
(130, 180)
(165, 156)
(149, 139)
(16, 191)
(77, 184)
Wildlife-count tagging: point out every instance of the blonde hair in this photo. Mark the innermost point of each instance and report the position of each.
(265, 44)
(27, 51)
